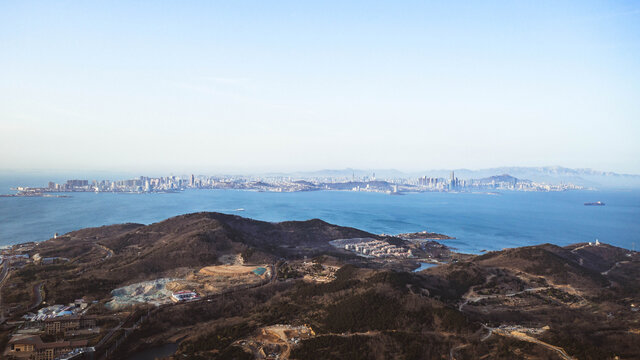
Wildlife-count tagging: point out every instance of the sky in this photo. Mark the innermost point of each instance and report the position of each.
(215, 86)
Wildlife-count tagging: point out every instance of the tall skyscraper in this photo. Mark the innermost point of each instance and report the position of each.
(192, 182)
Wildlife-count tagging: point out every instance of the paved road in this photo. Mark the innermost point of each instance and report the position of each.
(37, 294)
(453, 351)
(484, 338)
(613, 267)
(476, 298)
(109, 251)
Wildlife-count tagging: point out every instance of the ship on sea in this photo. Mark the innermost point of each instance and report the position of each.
(597, 203)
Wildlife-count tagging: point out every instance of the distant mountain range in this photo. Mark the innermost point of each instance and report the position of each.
(545, 174)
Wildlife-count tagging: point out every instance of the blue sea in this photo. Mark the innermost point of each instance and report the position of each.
(477, 221)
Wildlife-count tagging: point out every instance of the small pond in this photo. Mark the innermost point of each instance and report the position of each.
(424, 266)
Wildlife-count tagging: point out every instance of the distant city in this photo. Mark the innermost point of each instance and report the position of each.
(369, 183)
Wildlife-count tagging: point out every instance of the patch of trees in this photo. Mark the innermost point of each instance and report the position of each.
(333, 347)
(461, 279)
(281, 312)
(344, 280)
(285, 271)
(547, 263)
(69, 249)
(218, 339)
(397, 280)
(366, 311)
(33, 272)
(247, 252)
(234, 353)
(387, 345)
(584, 339)
(453, 320)
(405, 345)
(65, 291)
(14, 296)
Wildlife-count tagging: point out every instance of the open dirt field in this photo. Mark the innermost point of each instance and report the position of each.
(214, 279)
(227, 270)
(275, 341)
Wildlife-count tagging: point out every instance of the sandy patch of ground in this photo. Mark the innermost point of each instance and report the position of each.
(275, 341)
(227, 270)
(215, 279)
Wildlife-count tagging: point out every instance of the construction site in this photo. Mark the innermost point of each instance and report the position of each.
(276, 341)
(308, 271)
(216, 279)
(206, 281)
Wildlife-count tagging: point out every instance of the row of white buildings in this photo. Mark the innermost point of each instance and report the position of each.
(378, 248)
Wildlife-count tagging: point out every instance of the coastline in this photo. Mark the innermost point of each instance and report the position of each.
(476, 222)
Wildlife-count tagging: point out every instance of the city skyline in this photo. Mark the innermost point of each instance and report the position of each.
(367, 183)
(252, 87)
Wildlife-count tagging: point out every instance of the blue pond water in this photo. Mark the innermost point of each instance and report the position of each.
(424, 266)
(478, 221)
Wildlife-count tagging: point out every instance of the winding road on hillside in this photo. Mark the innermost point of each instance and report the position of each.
(37, 296)
(109, 251)
(614, 266)
(524, 337)
(477, 298)
(471, 295)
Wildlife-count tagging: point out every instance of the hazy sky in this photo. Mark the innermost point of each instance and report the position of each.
(275, 86)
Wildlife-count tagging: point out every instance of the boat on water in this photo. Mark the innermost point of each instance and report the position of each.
(597, 203)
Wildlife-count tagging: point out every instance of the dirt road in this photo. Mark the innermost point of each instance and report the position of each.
(524, 337)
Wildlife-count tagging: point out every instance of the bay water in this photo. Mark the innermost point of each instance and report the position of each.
(478, 221)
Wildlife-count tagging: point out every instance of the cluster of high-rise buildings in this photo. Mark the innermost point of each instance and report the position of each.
(442, 184)
(174, 183)
(498, 182)
(141, 184)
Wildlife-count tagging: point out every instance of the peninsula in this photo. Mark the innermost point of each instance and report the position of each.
(218, 286)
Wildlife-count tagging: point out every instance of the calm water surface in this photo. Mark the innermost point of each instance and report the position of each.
(424, 266)
(478, 221)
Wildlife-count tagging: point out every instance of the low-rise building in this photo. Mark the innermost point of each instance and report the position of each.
(33, 348)
(184, 296)
(63, 324)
